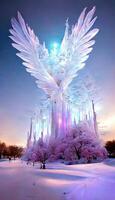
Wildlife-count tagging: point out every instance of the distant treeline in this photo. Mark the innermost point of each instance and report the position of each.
(110, 146)
(10, 151)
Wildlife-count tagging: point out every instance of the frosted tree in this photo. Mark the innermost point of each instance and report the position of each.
(79, 146)
(54, 71)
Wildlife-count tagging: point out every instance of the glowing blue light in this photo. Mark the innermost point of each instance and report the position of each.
(54, 48)
(55, 45)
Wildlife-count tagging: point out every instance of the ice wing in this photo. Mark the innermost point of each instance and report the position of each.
(32, 53)
(76, 46)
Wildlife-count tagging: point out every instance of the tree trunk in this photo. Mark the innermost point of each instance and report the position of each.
(77, 153)
(44, 166)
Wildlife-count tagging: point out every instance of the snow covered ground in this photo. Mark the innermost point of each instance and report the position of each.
(19, 181)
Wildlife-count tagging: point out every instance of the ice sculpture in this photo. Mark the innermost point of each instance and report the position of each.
(54, 71)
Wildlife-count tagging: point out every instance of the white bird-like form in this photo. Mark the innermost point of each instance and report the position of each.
(74, 51)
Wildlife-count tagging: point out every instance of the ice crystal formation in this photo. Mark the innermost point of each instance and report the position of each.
(68, 104)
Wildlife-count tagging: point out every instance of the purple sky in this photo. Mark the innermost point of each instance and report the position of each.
(19, 95)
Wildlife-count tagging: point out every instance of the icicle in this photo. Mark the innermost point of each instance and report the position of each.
(94, 118)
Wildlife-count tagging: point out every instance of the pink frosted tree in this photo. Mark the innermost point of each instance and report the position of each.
(79, 144)
(40, 153)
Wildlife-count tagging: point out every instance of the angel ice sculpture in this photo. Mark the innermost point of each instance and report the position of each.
(54, 73)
